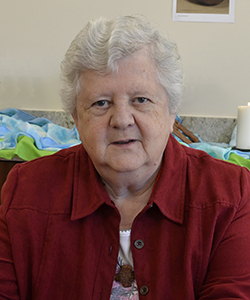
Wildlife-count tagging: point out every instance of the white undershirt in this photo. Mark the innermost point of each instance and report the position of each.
(125, 251)
(124, 258)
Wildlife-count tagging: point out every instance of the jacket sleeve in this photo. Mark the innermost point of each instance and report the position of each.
(228, 273)
(8, 281)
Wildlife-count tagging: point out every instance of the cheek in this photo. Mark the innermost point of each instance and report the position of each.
(163, 126)
(167, 120)
(92, 134)
(84, 128)
(171, 122)
(163, 123)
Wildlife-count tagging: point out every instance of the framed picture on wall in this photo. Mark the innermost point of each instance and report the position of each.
(204, 10)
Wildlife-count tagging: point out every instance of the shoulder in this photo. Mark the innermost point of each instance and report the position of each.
(36, 182)
(198, 161)
(216, 180)
(46, 169)
(207, 180)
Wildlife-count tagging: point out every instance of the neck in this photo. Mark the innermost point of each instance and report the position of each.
(125, 185)
(130, 193)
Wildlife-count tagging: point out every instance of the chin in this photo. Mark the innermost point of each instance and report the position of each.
(126, 166)
(125, 162)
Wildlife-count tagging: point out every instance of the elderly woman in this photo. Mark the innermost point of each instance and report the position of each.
(130, 213)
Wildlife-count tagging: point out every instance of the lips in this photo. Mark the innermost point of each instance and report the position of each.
(124, 142)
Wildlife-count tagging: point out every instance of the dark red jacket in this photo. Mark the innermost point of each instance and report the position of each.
(59, 230)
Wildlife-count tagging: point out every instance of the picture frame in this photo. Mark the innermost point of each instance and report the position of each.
(199, 11)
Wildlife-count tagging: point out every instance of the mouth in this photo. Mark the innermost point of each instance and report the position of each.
(124, 142)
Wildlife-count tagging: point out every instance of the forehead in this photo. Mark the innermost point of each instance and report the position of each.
(136, 72)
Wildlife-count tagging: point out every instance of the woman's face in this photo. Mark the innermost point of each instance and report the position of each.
(123, 118)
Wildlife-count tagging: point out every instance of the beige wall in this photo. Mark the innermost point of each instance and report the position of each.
(34, 36)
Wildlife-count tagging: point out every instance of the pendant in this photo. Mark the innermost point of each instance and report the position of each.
(125, 276)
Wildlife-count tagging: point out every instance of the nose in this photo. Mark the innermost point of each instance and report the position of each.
(121, 116)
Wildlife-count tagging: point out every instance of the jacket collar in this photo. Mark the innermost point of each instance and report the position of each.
(88, 191)
(168, 193)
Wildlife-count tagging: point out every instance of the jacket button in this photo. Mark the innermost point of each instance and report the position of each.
(144, 290)
(139, 244)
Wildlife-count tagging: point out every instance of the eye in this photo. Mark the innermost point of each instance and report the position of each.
(101, 102)
(141, 100)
